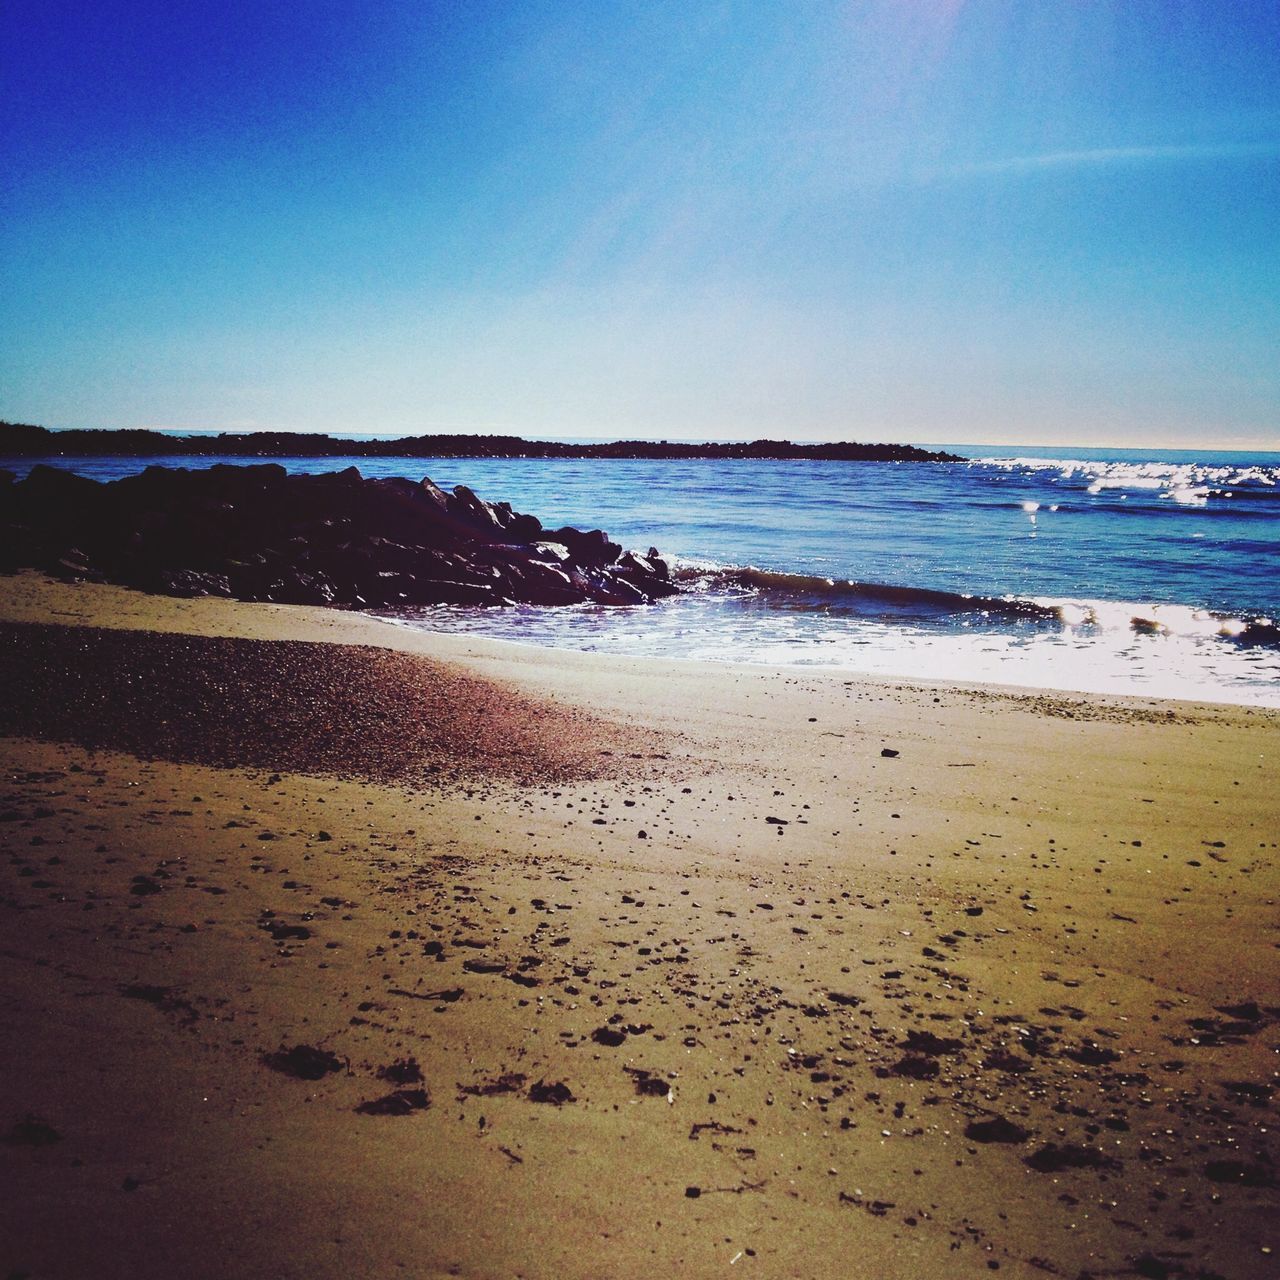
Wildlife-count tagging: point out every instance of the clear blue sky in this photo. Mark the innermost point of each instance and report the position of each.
(944, 220)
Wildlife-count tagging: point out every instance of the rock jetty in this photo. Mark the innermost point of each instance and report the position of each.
(258, 533)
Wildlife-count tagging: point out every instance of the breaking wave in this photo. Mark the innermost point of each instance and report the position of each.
(921, 605)
(1212, 487)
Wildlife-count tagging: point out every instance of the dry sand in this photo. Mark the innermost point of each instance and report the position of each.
(668, 970)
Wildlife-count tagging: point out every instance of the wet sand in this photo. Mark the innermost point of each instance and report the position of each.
(664, 969)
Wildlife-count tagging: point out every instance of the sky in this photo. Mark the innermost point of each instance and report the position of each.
(994, 221)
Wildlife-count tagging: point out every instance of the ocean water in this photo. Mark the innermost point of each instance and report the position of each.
(1148, 573)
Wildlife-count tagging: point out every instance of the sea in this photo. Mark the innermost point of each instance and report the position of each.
(1136, 572)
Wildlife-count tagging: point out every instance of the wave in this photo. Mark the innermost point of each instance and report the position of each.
(883, 601)
(1185, 484)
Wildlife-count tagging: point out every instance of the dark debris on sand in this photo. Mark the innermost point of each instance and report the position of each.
(557, 1093)
(304, 1062)
(31, 1132)
(402, 1102)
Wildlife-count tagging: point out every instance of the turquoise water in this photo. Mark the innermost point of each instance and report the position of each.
(1128, 571)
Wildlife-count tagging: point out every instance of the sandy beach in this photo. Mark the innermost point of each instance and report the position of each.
(334, 948)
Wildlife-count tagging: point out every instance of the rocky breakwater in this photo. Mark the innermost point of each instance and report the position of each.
(258, 533)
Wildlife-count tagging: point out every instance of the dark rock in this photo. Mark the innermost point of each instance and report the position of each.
(590, 549)
(302, 588)
(611, 1037)
(257, 533)
(186, 582)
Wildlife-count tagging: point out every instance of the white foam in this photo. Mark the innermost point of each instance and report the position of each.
(1178, 653)
(1187, 483)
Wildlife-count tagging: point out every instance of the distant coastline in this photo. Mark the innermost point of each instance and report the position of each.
(20, 440)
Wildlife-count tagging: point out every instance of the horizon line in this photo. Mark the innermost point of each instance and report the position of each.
(1257, 445)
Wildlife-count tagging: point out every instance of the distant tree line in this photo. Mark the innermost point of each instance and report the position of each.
(20, 440)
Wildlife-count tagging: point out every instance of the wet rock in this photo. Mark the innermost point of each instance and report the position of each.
(257, 533)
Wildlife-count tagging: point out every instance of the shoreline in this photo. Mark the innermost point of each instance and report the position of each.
(30, 596)
(843, 673)
(846, 977)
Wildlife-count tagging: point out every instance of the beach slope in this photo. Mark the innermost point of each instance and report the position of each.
(334, 948)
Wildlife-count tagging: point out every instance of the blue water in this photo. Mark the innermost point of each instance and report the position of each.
(1142, 564)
